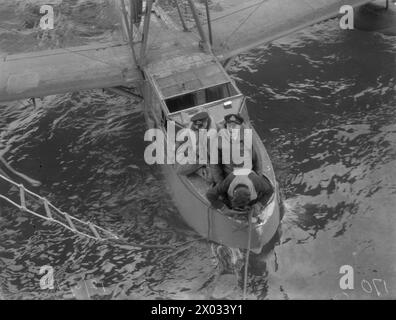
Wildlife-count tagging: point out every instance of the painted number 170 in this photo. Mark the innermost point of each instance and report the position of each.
(376, 286)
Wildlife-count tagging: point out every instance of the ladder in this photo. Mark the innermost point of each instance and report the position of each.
(32, 203)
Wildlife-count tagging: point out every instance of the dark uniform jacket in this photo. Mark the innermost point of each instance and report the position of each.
(229, 167)
(218, 195)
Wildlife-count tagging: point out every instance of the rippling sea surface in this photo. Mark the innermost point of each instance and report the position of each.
(323, 100)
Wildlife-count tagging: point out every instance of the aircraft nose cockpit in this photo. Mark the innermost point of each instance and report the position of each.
(206, 87)
(200, 97)
(217, 100)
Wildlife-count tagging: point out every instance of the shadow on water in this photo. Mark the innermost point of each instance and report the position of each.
(374, 17)
(228, 280)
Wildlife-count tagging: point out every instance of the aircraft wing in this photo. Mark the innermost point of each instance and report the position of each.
(242, 25)
(57, 71)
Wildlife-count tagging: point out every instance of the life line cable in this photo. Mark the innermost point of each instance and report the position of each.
(247, 255)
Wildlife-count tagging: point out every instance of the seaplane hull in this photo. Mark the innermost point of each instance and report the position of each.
(189, 195)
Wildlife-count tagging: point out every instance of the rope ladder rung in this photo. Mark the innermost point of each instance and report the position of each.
(94, 231)
(47, 209)
(22, 196)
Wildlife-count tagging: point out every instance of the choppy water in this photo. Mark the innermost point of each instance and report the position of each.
(323, 101)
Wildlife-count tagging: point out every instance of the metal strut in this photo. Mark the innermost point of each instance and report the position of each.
(209, 22)
(129, 29)
(124, 91)
(146, 27)
(181, 16)
(199, 26)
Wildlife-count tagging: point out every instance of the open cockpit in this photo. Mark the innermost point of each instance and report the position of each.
(200, 97)
(205, 87)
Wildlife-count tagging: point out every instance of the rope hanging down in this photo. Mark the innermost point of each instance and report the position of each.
(245, 279)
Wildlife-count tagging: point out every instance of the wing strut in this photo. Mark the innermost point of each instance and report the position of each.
(209, 22)
(146, 27)
(129, 28)
(181, 16)
(199, 26)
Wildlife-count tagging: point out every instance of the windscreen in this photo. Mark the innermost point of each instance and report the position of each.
(200, 97)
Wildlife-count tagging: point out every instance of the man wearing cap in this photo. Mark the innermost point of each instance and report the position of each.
(228, 141)
(212, 172)
(240, 191)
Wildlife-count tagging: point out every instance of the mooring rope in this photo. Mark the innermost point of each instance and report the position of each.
(247, 254)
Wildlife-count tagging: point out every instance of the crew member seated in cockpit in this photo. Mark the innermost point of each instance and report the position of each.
(229, 140)
(211, 172)
(240, 191)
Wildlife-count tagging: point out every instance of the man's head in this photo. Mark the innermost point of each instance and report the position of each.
(241, 198)
(200, 121)
(233, 122)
